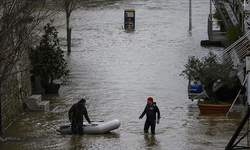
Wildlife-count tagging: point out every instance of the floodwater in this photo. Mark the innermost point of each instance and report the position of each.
(116, 70)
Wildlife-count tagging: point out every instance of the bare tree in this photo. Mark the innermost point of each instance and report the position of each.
(19, 18)
(68, 6)
(18, 21)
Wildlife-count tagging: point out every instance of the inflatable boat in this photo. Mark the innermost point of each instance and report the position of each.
(93, 128)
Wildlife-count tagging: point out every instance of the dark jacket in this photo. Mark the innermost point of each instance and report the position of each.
(76, 113)
(150, 111)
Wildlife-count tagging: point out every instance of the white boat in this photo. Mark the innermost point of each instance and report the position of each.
(93, 128)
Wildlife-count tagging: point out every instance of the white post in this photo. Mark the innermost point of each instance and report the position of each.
(211, 7)
(248, 91)
(248, 81)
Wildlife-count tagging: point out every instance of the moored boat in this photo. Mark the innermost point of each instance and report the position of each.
(93, 128)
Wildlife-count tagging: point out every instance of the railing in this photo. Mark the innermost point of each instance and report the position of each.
(214, 29)
(234, 55)
(236, 52)
(218, 4)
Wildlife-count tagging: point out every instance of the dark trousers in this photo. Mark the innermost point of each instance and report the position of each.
(149, 123)
(77, 128)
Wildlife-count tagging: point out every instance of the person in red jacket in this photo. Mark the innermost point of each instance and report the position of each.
(76, 113)
(150, 110)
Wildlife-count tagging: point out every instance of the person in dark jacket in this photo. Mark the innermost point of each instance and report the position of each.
(76, 113)
(150, 110)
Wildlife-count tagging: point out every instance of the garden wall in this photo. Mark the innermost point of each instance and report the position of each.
(16, 91)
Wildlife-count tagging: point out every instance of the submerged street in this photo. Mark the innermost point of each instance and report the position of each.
(116, 70)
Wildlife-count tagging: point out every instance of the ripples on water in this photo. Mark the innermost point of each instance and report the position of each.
(116, 70)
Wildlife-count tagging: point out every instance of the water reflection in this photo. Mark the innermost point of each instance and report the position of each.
(151, 141)
(206, 130)
(76, 142)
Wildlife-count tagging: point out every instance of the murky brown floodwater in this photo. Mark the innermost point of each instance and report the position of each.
(116, 70)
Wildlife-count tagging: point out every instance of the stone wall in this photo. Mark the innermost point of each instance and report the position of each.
(16, 91)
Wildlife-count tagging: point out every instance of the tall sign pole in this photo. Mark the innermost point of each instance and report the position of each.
(190, 15)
